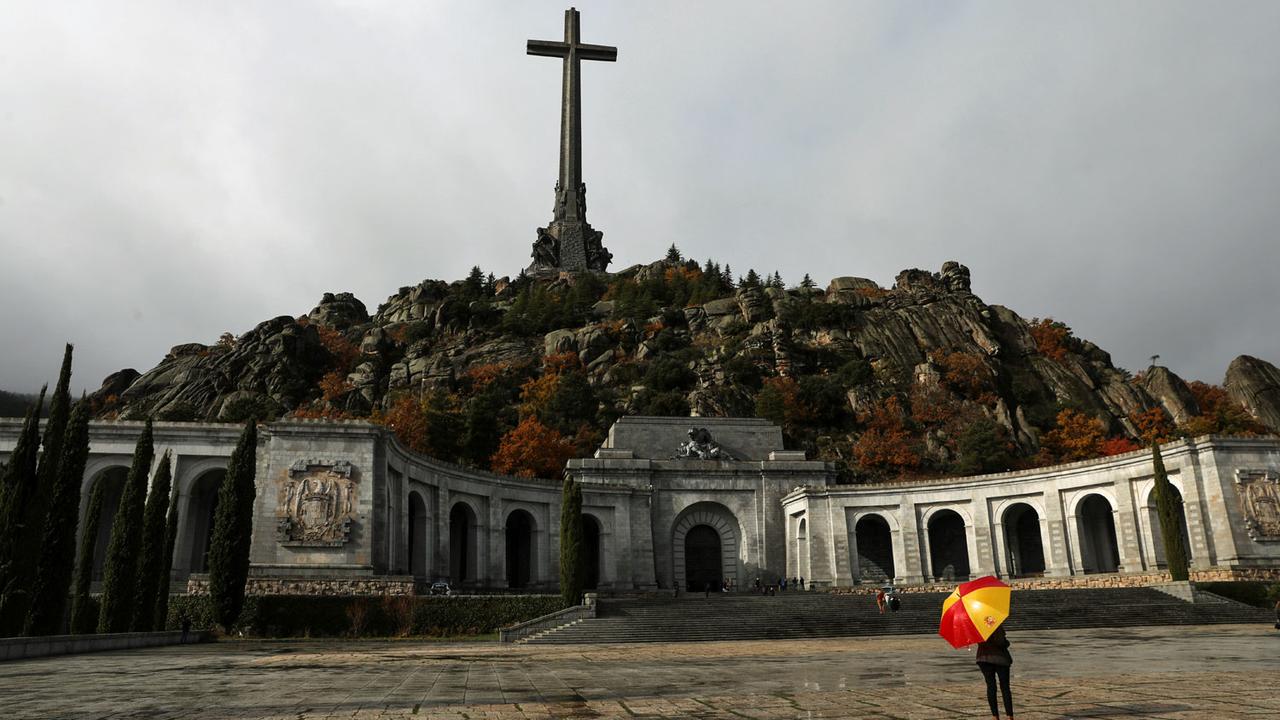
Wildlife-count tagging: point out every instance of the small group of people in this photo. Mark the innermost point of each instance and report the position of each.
(887, 597)
(759, 588)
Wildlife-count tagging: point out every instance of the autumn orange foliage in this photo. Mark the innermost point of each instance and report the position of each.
(344, 351)
(1075, 436)
(482, 376)
(968, 374)
(532, 449)
(333, 386)
(886, 444)
(407, 418)
(1153, 426)
(1050, 337)
(1117, 446)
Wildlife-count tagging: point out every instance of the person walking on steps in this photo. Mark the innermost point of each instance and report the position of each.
(994, 661)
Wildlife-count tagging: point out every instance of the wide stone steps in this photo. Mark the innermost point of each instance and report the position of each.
(696, 618)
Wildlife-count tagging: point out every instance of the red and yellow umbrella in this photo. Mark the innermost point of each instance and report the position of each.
(974, 611)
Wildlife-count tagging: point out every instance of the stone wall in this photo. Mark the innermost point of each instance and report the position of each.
(379, 585)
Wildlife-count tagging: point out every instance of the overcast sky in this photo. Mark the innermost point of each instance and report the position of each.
(173, 170)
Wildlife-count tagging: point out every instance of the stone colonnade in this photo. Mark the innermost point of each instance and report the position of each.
(1096, 516)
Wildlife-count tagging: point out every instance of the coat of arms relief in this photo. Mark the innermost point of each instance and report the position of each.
(316, 504)
(1259, 492)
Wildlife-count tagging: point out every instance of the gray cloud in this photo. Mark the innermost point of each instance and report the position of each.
(170, 171)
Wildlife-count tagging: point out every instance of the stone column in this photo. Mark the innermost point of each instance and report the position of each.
(1192, 499)
(1126, 530)
(1056, 538)
(910, 567)
(1003, 560)
(492, 547)
(839, 552)
(979, 543)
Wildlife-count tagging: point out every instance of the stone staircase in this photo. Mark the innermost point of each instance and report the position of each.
(694, 618)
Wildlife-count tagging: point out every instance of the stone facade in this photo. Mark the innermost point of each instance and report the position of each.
(1089, 517)
(343, 508)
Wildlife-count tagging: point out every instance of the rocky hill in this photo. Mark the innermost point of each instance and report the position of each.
(919, 377)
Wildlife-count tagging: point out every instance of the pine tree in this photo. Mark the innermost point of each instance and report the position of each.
(16, 488)
(83, 620)
(572, 577)
(27, 554)
(727, 277)
(151, 560)
(161, 617)
(232, 531)
(58, 548)
(807, 283)
(1170, 510)
(751, 280)
(673, 254)
(119, 580)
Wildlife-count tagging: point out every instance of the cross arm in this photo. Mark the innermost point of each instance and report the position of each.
(548, 48)
(597, 52)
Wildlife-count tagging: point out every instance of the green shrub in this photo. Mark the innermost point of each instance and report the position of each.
(385, 616)
(1256, 593)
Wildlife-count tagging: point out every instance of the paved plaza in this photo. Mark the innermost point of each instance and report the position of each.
(1225, 671)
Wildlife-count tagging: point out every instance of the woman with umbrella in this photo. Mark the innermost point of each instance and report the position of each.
(973, 614)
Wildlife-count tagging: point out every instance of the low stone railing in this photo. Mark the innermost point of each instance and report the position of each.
(42, 646)
(529, 628)
(1091, 581)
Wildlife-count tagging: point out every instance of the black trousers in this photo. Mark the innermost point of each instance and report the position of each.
(989, 673)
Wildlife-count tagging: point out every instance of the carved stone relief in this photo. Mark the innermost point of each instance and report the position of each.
(316, 504)
(1259, 492)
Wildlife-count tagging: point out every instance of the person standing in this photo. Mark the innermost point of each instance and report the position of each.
(880, 599)
(994, 661)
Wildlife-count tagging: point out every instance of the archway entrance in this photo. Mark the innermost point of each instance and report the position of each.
(591, 552)
(694, 561)
(702, 558)
(462, 548)
(1157, 531)
(948, 546)
(1024, 548)
(874, 541)
(519, 548)
(111, 485)
(1099, 552)
(202, 505)
(417, 535)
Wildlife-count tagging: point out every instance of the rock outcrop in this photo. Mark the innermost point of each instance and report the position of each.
(928, 339)
(1255, 384)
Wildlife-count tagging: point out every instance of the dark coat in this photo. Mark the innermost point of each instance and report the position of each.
(995, 649)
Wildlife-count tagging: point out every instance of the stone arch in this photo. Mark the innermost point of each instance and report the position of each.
(464, 535)
(1157, 532)
(592, 535)
(111, 482)
(720, 521)
(948, 544)
(419, 536)
(1023, 540)
(873, 543)
(802, 547)
(199, 509)
(519, 533)
(1095, 520)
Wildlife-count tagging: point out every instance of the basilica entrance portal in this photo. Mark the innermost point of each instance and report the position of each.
(702, 558)
(704, 547)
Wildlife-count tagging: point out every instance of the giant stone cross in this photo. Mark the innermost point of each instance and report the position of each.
(569, 242)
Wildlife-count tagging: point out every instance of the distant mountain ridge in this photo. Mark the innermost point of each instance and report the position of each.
(914, 367)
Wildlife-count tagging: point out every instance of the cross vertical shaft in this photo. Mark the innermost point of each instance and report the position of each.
(570, 243)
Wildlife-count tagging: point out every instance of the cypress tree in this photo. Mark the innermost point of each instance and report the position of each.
(120, 577)
(1170, 510)
(35, 514)
(16, 487)
(232, 530)
(150, 559)
(58, 548)
(83, 620)
(571, 560)
(161, 617)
